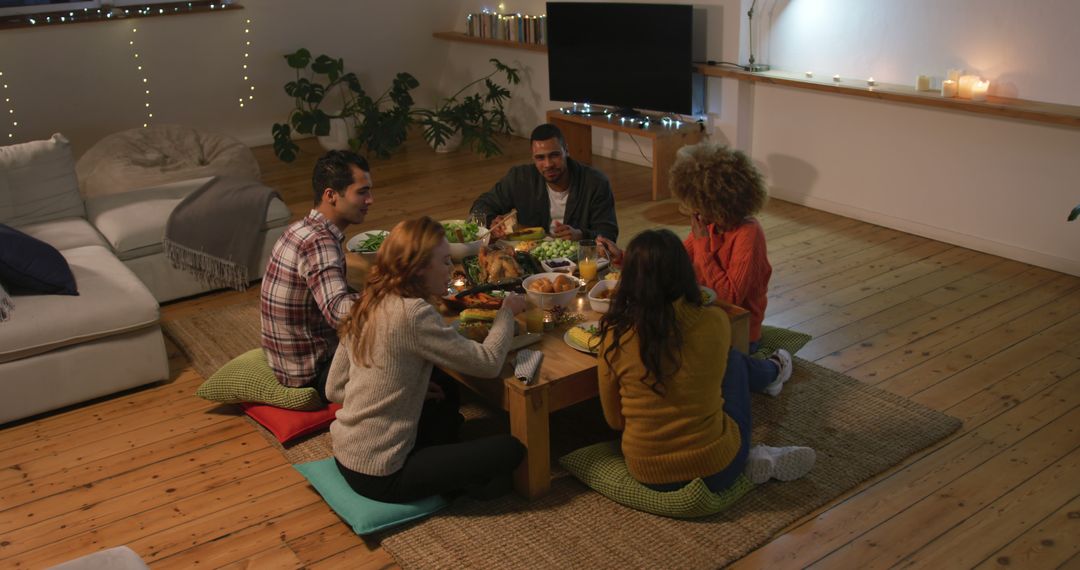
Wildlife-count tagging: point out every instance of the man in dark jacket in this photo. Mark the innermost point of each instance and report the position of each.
(568, 199)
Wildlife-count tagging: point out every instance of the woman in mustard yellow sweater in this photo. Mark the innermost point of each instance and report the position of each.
(683, 406)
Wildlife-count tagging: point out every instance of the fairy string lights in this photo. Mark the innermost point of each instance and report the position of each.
(143, 75)
(9, 106)
(248, 93)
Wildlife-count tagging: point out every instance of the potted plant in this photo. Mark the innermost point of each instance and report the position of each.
(476, 117)
(380, 124)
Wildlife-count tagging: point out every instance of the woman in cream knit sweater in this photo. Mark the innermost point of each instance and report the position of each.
(682, 405)
(395, 436)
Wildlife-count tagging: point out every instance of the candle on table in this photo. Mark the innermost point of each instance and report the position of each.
(965, 85)
(954, 75)
(922, 83)
(948, 88)
(836, 78)
(978, 91)
(871, 82)
(809, 73)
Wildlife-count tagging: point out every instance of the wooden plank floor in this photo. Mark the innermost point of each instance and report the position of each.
(992, 341)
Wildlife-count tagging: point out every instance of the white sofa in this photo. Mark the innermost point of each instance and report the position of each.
(57, 350)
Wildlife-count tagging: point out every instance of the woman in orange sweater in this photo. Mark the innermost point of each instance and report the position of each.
(682, 405)
(723, 192)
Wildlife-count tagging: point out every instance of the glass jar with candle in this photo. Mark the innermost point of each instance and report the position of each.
(587, 259)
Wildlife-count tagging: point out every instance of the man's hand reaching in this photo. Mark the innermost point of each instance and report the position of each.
(563, 231)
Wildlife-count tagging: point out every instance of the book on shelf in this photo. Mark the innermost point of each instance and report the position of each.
(517, 28)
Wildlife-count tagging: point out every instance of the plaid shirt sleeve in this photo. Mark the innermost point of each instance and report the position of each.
(322, 265)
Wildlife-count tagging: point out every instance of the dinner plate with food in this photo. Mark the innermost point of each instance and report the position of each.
(475, 324)
(367, 243)
(584, 337)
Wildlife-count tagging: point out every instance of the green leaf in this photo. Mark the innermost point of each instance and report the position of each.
(326, 65)
(315, 93)
(298, 59)
(353, 83)
(284, 147)
(1075, 212)
(303, 122)
(322, 123)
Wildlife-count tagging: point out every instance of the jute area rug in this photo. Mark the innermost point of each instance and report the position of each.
(857, 430)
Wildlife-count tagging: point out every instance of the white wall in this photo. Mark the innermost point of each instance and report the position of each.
(80, 79)
(997, 185)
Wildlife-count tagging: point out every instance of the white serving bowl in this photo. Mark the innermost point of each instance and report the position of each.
(459, 251)
(549, 300)
(358, 239)
(567, 268)
(601, 305)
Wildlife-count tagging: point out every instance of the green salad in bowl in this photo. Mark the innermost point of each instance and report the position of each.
(466, 238)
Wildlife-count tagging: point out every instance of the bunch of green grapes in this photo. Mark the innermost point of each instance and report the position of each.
(555, 248)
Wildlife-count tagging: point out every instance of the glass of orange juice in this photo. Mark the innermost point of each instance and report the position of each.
(587, 259)
(534, 319)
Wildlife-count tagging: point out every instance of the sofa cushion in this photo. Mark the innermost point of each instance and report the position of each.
(134, 222)
(38, 182)
(111, 301)
(287, 425)
(29, 265)
(65, 233)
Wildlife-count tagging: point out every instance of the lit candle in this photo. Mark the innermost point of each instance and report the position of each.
(978, 91)
(964, 87)
(836, 78)
(871, 82)
(922, 83)
(810, 74)
(948, 88)
(954, 74)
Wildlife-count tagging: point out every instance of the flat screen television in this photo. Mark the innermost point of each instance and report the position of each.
(630, 56)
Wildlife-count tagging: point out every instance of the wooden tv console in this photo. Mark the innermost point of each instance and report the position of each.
(666, 140)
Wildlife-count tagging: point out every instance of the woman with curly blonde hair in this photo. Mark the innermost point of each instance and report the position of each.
(395, 437)
(723, 192)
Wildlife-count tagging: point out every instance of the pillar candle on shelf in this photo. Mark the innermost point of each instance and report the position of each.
(978, 91)
(965, 85)
(948, 88)
(922, 83)
(954, 75)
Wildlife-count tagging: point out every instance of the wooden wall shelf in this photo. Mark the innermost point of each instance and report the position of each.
(1049, 113)
(460, 37)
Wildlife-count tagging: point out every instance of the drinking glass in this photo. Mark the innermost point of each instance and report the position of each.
(587, 259)
(478, 218)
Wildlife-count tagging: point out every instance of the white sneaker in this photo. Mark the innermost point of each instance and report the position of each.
(782, 358)
(781, 463)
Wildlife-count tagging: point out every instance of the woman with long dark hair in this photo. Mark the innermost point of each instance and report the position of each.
(683, 406)
(395, 436)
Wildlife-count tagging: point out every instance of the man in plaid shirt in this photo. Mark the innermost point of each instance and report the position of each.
(304, 292)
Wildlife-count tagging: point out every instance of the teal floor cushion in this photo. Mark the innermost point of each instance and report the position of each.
(364, 515)
(601, 467)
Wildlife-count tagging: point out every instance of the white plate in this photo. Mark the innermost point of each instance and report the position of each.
(359, 238)
(573, 344)
(708, 296)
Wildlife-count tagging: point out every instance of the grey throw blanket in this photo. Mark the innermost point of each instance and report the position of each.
(214, 232)
(6, 304)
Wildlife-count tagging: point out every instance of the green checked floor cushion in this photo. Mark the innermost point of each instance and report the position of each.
(773, 338)
(248, 379)
(601, 467)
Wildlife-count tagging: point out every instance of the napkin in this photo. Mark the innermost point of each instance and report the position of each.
(527, 364)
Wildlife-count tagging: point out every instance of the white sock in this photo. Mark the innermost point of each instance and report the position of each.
(782, 358)
(782, 463)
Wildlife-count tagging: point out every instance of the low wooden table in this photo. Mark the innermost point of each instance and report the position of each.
(566, 377)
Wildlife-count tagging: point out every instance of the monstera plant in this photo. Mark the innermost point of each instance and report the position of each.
(379, 124)
(475, 112)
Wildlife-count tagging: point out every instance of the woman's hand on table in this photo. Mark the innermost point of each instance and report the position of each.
(515, 302)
